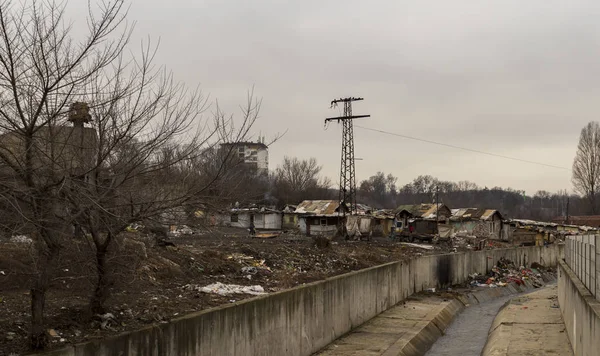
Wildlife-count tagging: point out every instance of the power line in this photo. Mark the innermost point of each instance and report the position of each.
(460, 148)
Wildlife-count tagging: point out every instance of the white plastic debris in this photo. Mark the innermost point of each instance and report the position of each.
(425, 247)
(227, 289)
(21, 239)
(183, 230)
(249, 270)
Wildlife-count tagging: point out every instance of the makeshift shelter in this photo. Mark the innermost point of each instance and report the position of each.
(290, 218)
(262, 218)
(486, 223)
(319, 217)
(424, 218)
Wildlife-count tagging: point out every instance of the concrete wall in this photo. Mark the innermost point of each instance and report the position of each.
(303, 320)
(580, 312)
(582, 254)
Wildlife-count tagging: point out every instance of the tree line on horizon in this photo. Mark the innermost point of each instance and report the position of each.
(381, 191)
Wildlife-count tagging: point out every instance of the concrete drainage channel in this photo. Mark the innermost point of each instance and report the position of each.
(466, 301)
(414, 326)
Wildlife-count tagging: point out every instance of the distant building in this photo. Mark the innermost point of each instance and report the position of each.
(55, 151)
(253, 154)
(262, 218)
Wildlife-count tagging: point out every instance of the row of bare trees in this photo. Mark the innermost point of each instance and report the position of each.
(94, 138)
(381, 191)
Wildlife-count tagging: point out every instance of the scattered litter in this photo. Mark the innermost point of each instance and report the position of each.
(432, 290)
(226, 289)
(266, 235)
(134, 227)
(53, 333)
(239, 257)
(249, 270)
(106, 319)
(425, 247)
(182, 230)
(505, 272)
(21, 239)
(2, 273)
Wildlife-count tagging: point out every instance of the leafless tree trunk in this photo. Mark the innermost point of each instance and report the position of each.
(586, 166)
(110, 166)
(296, 180)
(42, 71)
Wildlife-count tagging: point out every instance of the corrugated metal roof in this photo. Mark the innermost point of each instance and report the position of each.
(474, 213)
(383, 214)
(415, 209)
(489, 213)
(425, 211)
(318, 207)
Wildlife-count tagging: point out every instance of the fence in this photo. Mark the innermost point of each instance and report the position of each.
(582, 254)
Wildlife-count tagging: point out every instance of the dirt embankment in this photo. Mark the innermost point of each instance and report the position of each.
(152, 284)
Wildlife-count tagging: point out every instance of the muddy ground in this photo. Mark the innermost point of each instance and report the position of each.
(148, 280)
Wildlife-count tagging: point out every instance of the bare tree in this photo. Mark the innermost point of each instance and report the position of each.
(295, 180)
(125, 155)
(379, 191)
(43, 71)
(151, 178)
(586, 166)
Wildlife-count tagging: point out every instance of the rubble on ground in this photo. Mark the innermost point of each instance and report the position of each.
(182, 230)
(506, 272)
(423, 246)
(226, 289)
(21, 239)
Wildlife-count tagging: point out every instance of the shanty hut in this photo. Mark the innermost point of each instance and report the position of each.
(479, 222)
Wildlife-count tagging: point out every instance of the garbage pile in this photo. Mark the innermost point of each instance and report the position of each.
(505, 272)
(463, 240)
(251, 266)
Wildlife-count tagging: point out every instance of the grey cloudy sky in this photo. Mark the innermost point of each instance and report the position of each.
(516, 78)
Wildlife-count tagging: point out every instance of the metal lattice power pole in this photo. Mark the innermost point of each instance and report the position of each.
(347, 171)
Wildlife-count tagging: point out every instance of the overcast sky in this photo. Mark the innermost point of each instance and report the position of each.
(515, 78)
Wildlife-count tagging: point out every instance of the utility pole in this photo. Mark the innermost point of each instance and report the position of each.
(347, 194)
(567, 217)
(437, 209)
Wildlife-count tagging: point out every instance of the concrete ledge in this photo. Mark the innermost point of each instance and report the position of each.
(407, 329)
(529, 325)
(580, 312)
(411, 329)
